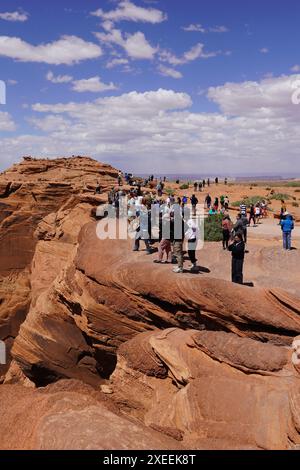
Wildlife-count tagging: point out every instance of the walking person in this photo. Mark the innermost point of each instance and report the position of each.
(226, 230)
(176, 237)
(226, 202)
(159, 189)
(191, 236)
(194, 202)
(239, 226)
(143, 230)
(287, 226)
(164, 246)
(237, 249)
(252, 215)
(208, 201)
(216, 204)
(257, 213)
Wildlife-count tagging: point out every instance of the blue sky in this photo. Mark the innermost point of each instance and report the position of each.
(170, 85)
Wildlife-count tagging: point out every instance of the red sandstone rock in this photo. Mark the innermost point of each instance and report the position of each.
(221, 377)
(67, 416)
(41, 192)
(217, 389)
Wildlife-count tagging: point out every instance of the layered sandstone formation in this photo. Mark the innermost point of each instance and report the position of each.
(33, 192)
(185, 361)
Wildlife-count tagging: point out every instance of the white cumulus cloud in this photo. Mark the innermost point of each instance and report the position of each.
(6, 122)
(192, 54)
(169, 72)
(116, 62)
(66, 50)
(93, 84)
(295, 68)
(128, 11)
(197, 27)
(135, 45)
(58, 78)
(254, 128)
(14, 16)
(264, 50)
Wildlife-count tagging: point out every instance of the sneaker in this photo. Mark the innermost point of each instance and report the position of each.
(178, 270)
(135, 249)
(157, 261)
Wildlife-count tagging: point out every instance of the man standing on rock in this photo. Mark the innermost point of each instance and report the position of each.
(237, 249)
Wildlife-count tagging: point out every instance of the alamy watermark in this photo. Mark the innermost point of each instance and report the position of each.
(2, 92)
(2, 353)
(153, 222)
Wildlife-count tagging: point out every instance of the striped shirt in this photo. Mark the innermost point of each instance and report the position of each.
(243, 209)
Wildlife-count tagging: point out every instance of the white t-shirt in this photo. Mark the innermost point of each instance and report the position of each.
(192, 232)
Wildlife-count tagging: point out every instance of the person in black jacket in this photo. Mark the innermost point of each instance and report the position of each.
(194, 202)
(237, 249)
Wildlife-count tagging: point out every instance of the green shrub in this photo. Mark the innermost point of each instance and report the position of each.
(184, 186)
(292, 184)
(213, 228)
(279, 196)
(169, 191)
(248, 201)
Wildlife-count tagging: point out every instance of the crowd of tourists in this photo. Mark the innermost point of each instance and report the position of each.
(176, 225)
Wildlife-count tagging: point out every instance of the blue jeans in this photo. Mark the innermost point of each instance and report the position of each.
(287, 240)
